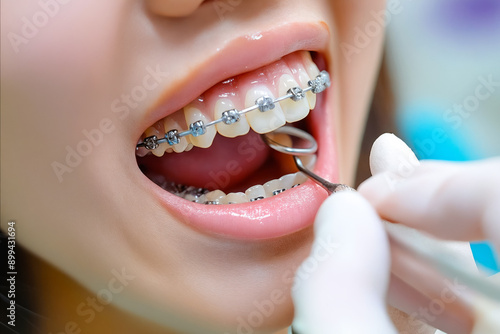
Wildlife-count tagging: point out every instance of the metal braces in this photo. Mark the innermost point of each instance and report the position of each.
(263, 103)
(182, 191)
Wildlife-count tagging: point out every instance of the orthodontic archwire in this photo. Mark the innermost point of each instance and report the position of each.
(231, 116)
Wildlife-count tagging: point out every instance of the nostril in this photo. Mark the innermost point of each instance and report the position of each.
(173, 8)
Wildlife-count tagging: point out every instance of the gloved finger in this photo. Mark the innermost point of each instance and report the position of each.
(350, 282)
(450, 200)
(438, 301)
(425, 295)
(389, 154)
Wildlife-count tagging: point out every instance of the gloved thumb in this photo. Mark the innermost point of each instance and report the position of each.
(341, 287)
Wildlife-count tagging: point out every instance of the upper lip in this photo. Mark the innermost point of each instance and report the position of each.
(243, 54)
(270, 218)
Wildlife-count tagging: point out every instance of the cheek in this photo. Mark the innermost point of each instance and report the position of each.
(59, 52)
(356, 58)
(57, 79)
(54, 85)
(50, 32)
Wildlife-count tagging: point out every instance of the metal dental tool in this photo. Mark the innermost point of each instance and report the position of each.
(263, 103)
(300, 151)
(427, 251)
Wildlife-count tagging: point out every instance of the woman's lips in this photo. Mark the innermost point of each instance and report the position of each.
(273, 217)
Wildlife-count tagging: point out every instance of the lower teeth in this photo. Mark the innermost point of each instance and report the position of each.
(252, 194)
(218, 197)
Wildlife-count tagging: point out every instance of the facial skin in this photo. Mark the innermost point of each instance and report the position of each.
(58, 85)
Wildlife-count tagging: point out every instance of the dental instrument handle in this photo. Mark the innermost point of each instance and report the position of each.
(327, 185)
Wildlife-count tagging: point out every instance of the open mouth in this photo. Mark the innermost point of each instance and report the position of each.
(220, 158)
(209, 166)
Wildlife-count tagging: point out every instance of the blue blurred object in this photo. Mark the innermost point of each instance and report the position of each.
(443, 58)
(485, 256)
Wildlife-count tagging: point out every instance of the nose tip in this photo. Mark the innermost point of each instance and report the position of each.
(173, 8)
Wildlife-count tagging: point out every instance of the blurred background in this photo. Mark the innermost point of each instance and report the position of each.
(443, 65)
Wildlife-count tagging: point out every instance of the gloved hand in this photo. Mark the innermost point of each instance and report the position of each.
(346, 292)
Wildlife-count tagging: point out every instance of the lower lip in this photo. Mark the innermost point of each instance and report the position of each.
(273, 217)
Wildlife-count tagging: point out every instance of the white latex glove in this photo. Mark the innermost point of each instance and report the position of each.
(458, 201)
(451, 201)
(346, 291)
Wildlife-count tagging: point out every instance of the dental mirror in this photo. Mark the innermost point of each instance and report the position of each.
(297, 143)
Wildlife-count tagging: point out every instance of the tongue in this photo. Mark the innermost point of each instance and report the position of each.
(227, 162)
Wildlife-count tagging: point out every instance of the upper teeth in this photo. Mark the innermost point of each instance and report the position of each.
(263, 113)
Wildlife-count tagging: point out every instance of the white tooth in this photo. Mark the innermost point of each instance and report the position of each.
(173, 123)
(229, 130)
(290, 180)
(293, 110)
(267, 121)
(153, 131)
(273, 186)
(192, 115)
(287, 181)
(311, 68)
(303, 80)
(223, 200)
(235, 198)
(255, 193)
(201, 199)
(190, 197)
(189, 147)
(313, 71)
(215, 196)
(300, 178)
